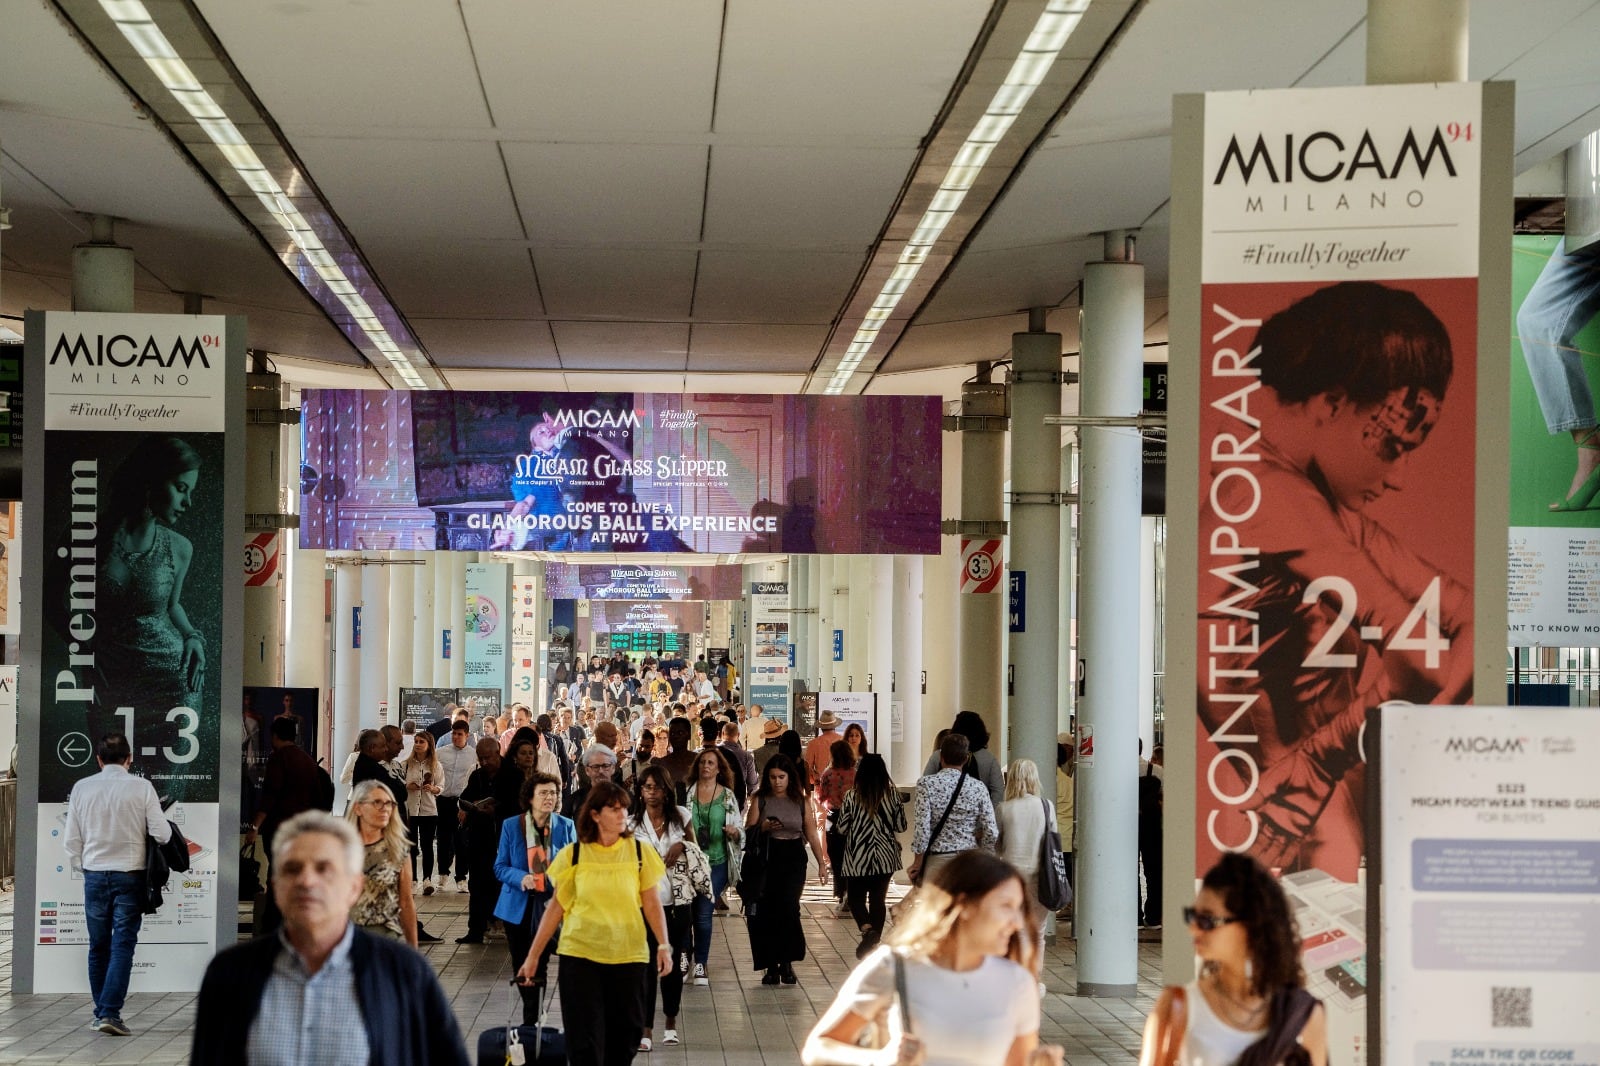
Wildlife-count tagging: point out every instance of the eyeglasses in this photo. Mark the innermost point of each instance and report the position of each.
(381, 803)
(1205, 922)
(598, 765)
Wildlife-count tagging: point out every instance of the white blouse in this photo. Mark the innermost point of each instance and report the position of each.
(675, 834)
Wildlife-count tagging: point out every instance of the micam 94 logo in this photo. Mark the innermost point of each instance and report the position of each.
(122, 350)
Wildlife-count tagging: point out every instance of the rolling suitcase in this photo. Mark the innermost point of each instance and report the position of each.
(523, 1045)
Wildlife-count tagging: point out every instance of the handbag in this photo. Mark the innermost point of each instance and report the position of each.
(753, 868)
(1054, 890)
(693, 874)
(735, 854)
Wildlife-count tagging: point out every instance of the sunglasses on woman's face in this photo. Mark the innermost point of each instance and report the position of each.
(1205, 922)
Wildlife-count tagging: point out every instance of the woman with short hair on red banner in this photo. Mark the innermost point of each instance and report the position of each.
(1318, 612)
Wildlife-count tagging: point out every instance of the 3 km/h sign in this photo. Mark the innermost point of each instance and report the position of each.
(981, 565)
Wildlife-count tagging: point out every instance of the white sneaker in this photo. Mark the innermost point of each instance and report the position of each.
(461, 884)
(669, 1037)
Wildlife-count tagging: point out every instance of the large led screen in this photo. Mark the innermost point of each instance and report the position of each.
(620, 472)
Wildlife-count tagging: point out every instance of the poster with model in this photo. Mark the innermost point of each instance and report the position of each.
(135, 529)
(1338, 397)
(620, 472)
(1554, 580)
(1489, 939)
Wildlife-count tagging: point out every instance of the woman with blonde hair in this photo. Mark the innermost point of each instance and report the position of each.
(385, 906)
(952, 985)
(423, 774)
(1025, 817)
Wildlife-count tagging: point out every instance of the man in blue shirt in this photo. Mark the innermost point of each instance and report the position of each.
(322, 992)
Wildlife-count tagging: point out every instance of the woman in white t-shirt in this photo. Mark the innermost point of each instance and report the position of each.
(1024, 819)
(968, 959)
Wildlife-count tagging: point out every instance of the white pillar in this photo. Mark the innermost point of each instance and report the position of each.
(859, 600)
(941, 622)
(983, 620)
(443, 590)
(827, 622)
(453, 618)
(800, 621)
(879, 594)
(422, 640)
(1035, 543)
(399, 626)
(817, 657)
(347, 721)
(907, 754)
(1067, 601)
(1112, 385)
(375, 645)
(102, 270)
(1147, 633)
(1415, 41)
(306, 650)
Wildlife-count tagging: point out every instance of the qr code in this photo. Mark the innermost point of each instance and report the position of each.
(1511, 1008)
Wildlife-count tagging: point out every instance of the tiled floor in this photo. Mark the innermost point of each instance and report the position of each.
(736, 1022)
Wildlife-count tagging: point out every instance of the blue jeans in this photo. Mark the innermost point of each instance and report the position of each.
(702, 912)
(113, 903)
(1561, 302)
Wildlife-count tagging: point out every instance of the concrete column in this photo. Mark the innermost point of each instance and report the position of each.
(443, 568)
(1112, 385)
(400, 626)
(263, 462)
(375, 645)
(880, 613)
(941, 616)
(1036, 542)
(982, 644)
(857, 632)
(1411, 41)
(102, 270)
(305, 663)
(422, 638)
(799, 621)
(1147, 633)
(817, 656)
(905, 766)
(827, 622)
(347, 720)
(1067, 601)
(454, 607)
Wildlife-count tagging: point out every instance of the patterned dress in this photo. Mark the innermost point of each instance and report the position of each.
(378, 908)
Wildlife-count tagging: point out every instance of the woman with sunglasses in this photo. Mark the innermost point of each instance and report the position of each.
(1249, 1005)
(385, 906)
(664, 825)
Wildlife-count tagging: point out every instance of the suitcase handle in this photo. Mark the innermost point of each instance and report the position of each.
(514, 1028)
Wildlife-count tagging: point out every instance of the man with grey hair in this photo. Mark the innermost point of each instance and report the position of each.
(292, 998)
(599, 763)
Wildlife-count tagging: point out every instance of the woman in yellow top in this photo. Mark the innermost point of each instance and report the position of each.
(605, 892)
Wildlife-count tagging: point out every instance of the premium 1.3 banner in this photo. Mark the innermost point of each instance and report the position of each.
(620, 472)
(1337, 439)
(131, 564)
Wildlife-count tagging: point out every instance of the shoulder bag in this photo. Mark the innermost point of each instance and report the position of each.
(1054, 890)
(1280, 1045)
(939, 828)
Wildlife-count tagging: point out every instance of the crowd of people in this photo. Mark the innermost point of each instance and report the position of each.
(607, 833)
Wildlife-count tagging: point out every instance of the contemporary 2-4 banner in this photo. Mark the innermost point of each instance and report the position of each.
(134, 611)
(1338, 400)
(620, 472)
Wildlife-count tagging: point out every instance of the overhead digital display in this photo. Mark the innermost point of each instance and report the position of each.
(620, 472)
(570, 581)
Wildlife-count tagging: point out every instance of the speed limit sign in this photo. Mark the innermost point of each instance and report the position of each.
(980, 566)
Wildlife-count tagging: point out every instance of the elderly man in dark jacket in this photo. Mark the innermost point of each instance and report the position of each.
(321, 982)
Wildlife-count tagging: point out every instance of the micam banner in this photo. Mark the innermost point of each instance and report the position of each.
(631, 472)
(133, 492)
(767, 671)
(1332, 411)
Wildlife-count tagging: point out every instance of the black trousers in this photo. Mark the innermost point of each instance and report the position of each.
(776, 936)
(483, 889)
(519, 939)
(835, 842)
(602, 1008)
(1150, 853)
(680, 934)
(424, 829)
(868, 896)
(448, 809)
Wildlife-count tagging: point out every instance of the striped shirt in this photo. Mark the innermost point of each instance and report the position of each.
(309, 1019)
(871, 843)
(971, 823)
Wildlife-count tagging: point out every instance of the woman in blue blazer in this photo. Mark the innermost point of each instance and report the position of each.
(528, 843)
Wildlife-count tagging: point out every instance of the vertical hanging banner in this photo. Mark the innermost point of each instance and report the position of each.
(525, 631)
(1488, 932)
(769, 648)
(133, 486)
(1338, 370)
(487, 623)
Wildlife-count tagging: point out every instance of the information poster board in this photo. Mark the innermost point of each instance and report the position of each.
(1337, 543)
(768, 672)
(852, 708)
(486, 627)
(135, 491)
(1489, 938)
(10, 571)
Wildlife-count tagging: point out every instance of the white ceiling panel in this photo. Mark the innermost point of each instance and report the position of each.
(304, 333)
(587, 66)
(1048, 202)
(604, 381)
(957, 342)
(616, 283)
(46, 73)
(492, 344)
(609, 193)
(415, 190)
(440, 280)
(781, 286)
(317, 374)
(719, 346)
(508, 380)
(1009, 280)
(773, 196)
(745, 384)
(622, 345)
(840, 70)
(398, 64)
